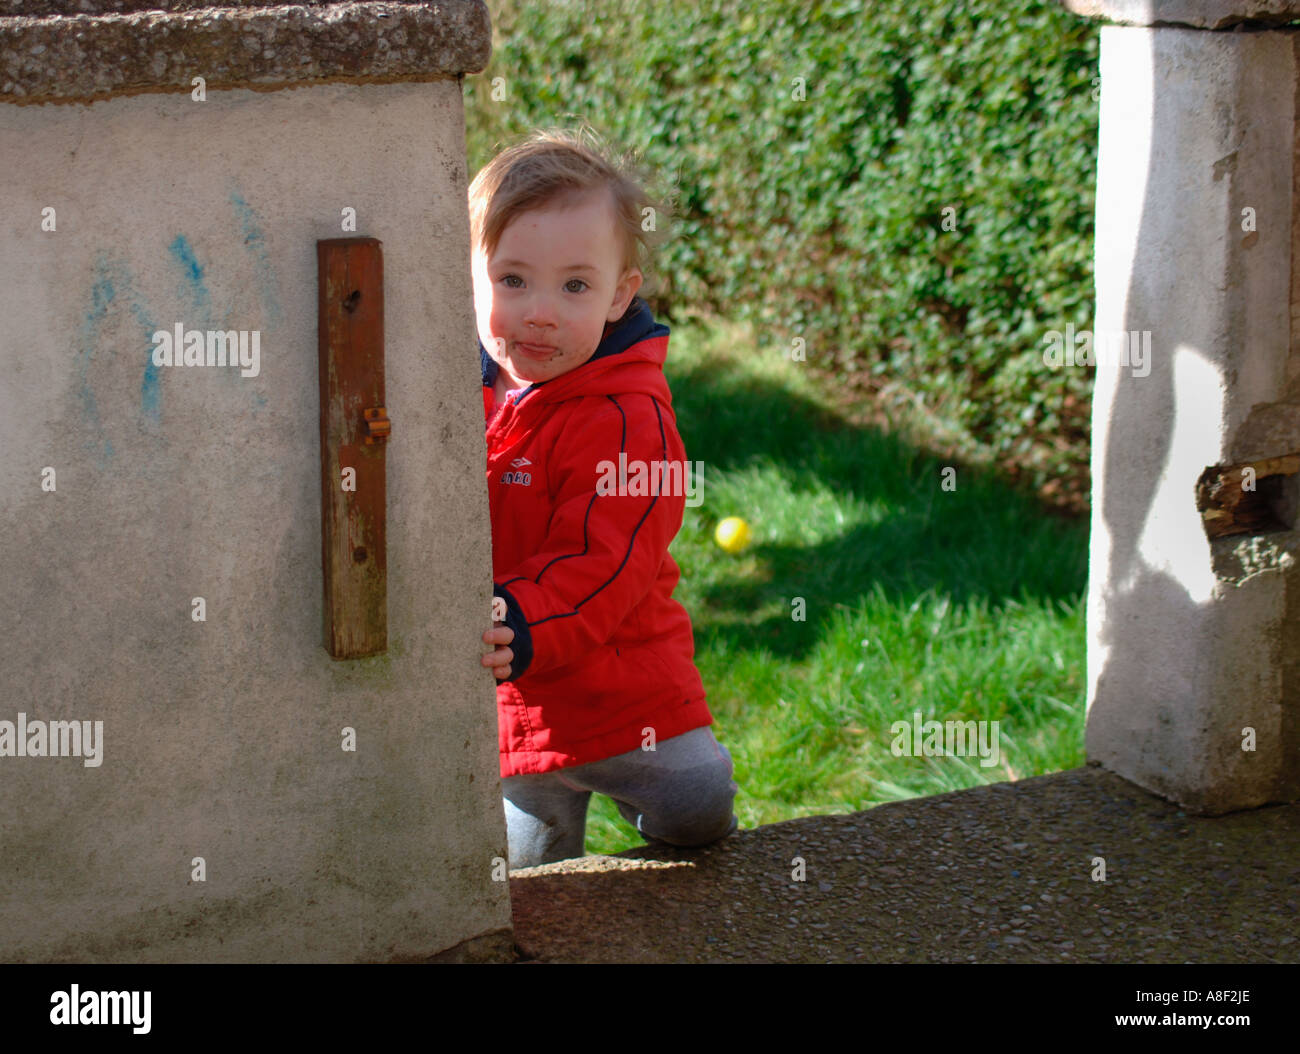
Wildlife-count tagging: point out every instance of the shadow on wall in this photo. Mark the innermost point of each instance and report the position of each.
(1160, 624)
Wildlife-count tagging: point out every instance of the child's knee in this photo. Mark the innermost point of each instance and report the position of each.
(699, 828)
(707, 829)
(697, 819)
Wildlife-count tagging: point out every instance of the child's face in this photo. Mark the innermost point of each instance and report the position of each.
(543, 298)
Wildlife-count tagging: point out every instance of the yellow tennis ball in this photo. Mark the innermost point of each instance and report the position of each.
(732, 534)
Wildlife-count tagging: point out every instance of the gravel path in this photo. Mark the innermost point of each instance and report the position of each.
(1002, 873)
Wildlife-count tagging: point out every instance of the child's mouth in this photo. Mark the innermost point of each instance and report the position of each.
(535, 351)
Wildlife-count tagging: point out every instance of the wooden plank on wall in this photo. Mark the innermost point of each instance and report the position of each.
(354, 429)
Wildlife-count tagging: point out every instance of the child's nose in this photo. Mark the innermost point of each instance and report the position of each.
(540, 312)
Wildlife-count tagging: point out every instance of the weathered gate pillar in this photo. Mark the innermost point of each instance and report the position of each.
(186, 772)
(1194, 595)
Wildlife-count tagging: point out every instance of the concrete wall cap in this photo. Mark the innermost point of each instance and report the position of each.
(83, 50)
(1198, 14)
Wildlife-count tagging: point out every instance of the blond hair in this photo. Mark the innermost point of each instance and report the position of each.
(555, 167)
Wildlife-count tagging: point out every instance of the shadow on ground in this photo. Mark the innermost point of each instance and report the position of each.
(982, 540)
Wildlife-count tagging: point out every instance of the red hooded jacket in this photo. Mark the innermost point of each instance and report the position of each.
(602, 651)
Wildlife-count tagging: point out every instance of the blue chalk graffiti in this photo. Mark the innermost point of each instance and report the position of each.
(183, 253)
(102, 294)
(150, 386)
(113, 286)
(255, 241)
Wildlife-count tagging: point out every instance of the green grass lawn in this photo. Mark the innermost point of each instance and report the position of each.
(963, 604)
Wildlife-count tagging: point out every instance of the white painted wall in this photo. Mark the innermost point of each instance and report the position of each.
(222, 739)
(1187, 647)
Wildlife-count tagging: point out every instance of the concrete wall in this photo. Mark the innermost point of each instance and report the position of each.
(222, 739)
(1193, 641)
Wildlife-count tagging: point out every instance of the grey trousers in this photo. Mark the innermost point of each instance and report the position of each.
(680, 793)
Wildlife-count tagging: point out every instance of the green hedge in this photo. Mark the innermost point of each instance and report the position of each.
(822, 217)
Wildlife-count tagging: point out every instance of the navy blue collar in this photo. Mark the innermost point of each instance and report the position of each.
(636, 325)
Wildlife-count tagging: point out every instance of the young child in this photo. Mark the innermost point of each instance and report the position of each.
(597, 690)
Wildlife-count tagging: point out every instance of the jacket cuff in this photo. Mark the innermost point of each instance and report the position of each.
(522, 645)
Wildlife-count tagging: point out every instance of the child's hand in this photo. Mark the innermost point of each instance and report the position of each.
(500, 659)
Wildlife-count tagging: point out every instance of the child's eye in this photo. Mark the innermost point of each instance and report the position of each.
(507, 278)
(579, 281)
